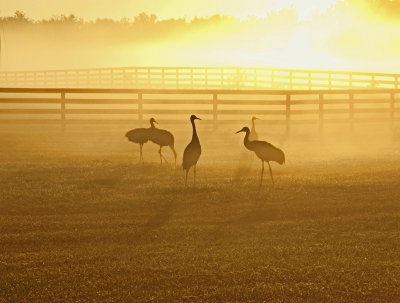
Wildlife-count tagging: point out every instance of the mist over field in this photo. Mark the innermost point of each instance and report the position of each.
(350, 35)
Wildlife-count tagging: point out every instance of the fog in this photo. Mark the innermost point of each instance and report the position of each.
(349, 36)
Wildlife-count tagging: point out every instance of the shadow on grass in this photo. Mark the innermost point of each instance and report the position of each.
(256, 216)
(148, 231)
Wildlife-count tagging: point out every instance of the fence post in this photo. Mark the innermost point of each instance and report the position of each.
(112, 78)
(63, 110)
(124, 78)
(163, 77)
(100, 78)
(287, 114)
(351, 111)
(291, 80)
(238, 79)
(272, 79)
(191, 78)
(215, 110)
(140, 108)
(148, 78)
(392, 109)
(321, 112)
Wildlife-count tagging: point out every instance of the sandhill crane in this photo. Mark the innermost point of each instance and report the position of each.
(140, 136)
(162, 138)
(192, 152)
(253, 134)
(264, 150)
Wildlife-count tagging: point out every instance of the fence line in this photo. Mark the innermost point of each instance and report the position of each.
(124, 106)
(199, 78)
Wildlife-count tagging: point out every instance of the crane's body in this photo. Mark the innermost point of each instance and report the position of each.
(162, 138)
(264, 150)
(140, 136)
(192, 151)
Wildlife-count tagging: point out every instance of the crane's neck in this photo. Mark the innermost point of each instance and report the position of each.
(194, 136)
(152, 124)
(252, 125)
(246, 141)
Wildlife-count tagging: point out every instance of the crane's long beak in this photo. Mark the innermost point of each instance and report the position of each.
(239, 131)
(155, 122)
(197, 118)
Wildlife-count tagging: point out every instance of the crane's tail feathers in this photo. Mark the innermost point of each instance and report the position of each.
(283, 159)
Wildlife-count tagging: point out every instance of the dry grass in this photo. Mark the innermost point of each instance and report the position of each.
(90, 224)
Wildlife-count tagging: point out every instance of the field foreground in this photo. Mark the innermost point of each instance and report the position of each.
(84, 225)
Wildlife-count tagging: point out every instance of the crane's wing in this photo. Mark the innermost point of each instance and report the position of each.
(139, 135)
(191, 155)
(268, 152)
(161, 137)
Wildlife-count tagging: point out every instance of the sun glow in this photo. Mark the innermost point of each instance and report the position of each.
(306, 8)
(307, 34)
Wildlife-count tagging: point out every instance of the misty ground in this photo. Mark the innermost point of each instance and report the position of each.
(82, 220)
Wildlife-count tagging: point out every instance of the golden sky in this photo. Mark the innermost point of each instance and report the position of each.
(359, 38)
(116, 9)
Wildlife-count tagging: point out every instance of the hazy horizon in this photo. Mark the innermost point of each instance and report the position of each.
(91, 10)
(333, 35)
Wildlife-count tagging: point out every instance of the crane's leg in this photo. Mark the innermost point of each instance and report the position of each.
(141, 153)
(194, 175)
(187, 171)
(262, 172)
(173, 150)
(161, 156)
(159, 152)
(270, 171)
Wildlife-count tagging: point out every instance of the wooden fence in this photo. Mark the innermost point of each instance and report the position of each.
(198, 78)
(129, 106)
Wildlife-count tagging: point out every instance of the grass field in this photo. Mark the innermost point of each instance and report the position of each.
(82, 221)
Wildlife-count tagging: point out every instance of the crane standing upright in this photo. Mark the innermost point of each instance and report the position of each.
(192, 151)
(253, 136)
(265, 151)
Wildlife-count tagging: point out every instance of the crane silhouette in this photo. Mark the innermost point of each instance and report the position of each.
(253, 134)
(265, 151)
(192, 152)
(140, 136)
(162, 138)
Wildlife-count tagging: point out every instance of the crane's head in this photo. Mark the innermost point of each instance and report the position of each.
(152, 120)
(254, 118)
(244, 129)
(193, 117)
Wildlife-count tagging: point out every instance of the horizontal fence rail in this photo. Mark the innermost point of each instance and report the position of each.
(130, 106)
(199, 78)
